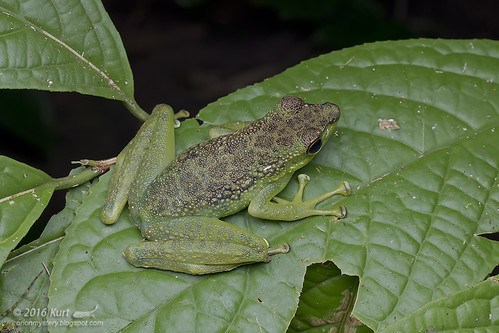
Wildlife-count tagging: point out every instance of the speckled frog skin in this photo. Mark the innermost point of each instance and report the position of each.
(177, 202)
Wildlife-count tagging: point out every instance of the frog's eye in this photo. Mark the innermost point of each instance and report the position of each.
(314, 147)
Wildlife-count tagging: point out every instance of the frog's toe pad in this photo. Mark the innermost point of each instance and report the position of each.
(349, 189)
(283, 248)
(343, 212)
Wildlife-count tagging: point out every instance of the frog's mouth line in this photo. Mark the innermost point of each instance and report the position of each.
(328, 130)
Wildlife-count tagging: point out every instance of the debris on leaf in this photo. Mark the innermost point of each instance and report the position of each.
(388, 124)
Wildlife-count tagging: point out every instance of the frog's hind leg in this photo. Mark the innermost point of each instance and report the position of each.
(198, 245)
(195, 257)
(150, 151)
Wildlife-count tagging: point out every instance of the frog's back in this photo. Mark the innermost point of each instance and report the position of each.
(220, 176)
(216, 177)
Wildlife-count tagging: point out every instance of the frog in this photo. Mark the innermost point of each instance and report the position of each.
(177, 202)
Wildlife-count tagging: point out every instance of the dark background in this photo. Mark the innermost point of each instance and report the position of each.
(188, 53)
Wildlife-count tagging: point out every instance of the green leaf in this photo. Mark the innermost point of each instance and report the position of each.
(54, 230)
(24, 194)
(63, 46)
(22, 200)
(413, 258)
(475, 308)
(422, 196)
(20, 269)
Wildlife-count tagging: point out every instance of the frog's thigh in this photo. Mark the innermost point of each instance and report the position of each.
(196, 245)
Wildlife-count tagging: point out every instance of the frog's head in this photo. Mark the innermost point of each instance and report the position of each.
(307, 126)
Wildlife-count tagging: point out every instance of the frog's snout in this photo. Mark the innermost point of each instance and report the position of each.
(333, 109)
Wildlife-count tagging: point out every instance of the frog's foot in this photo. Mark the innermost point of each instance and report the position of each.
(178, 115)
(307, 208)
(283, 248)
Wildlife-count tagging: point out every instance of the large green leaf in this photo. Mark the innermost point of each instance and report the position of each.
(68, 45)
(422, 196)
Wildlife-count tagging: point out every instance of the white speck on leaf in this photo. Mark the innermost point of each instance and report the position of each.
(320, 228)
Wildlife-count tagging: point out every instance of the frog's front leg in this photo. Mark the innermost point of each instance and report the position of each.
(284, 210)
(197, 245)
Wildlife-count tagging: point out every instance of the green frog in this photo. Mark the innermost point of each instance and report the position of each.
(177, 202)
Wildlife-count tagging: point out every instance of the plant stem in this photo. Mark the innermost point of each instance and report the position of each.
(136, 110)
(97, 168)
(75, 180)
